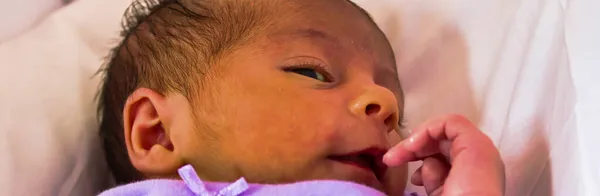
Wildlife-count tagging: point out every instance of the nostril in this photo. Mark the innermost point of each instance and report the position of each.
(390, 121)
(372, 109)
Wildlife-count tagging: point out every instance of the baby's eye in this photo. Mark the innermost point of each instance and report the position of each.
(311, 73)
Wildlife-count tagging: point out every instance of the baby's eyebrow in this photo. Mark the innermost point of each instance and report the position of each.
(309, 33)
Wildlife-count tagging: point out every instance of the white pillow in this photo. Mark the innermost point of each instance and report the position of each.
(17, 16)
(503, 63)
(49, 141)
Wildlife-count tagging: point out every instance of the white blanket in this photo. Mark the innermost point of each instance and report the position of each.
(18, 16)
(525, 70)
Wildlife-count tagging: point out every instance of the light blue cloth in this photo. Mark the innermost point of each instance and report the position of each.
(192, 185)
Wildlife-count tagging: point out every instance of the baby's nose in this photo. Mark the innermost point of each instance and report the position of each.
(377, 103)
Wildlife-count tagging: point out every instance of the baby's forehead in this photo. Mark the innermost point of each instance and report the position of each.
(322, 24)
(336, 21)
(345, 32)
(357, 51)
(365, 43)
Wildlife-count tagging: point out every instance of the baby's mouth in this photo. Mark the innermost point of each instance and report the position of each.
(369, 159)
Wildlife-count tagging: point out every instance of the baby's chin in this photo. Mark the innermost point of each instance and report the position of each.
(394, 181)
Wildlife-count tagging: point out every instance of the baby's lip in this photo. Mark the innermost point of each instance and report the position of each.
(369, 158)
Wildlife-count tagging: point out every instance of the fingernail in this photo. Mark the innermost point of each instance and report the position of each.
(387, 155)
(386, 158)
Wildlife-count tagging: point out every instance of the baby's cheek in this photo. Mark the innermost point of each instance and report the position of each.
(314, 132)
(394, 138)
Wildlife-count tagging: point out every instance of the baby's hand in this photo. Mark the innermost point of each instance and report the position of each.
(458, 159)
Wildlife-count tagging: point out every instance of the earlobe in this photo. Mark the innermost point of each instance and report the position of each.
(147, 138)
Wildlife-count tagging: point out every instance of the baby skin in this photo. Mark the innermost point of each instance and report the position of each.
(314, 95)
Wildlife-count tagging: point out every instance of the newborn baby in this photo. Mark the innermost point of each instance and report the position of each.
(251, 97)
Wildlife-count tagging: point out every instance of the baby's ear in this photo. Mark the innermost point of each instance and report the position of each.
(149, 146)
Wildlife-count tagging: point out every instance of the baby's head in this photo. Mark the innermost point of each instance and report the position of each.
(275, 91)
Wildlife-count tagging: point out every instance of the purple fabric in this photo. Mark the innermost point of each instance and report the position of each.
(192, 185)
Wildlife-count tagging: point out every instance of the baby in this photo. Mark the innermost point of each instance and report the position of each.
(258, 97)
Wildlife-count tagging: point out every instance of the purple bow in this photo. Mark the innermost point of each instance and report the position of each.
(196, 185)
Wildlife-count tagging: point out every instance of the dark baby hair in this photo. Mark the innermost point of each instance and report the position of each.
(169, 46)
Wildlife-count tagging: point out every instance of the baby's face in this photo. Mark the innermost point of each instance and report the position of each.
(315, 97)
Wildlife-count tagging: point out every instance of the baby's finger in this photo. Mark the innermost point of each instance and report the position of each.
(399, 155)
(417, 178)
(434, 171)
(426, 139)
(416, 147)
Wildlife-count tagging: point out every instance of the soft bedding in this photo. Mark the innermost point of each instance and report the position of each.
(18, 16)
